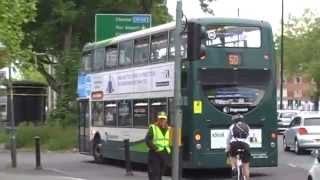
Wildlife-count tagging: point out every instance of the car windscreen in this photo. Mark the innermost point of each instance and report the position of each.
(234, 91)
(312, 122)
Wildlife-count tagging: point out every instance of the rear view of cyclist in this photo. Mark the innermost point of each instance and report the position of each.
(238, 138)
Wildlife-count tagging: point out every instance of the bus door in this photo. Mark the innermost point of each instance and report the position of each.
(84, 138)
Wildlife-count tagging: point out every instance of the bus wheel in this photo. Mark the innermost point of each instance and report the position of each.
(285, 146)
(97, 151)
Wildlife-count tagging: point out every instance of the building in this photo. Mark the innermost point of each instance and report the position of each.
(297, 92)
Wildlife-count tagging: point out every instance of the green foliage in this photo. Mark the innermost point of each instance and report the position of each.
(4, 138)
(204, 4)
(51, 137)
(301, 44)
(13, 15)
(66, 112)
(31, 74)
(301, 48)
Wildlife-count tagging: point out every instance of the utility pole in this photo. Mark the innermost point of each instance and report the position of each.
(281, 61)
(12, 122)
(177, 94)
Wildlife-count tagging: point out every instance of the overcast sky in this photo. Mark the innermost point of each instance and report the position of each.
(268, 10)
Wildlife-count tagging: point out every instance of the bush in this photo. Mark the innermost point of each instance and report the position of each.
(4, 137)
(51, 137)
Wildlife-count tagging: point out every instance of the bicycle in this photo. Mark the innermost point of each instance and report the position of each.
(239, 166)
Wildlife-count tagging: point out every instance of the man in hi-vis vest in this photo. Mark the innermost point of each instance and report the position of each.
(158, 139)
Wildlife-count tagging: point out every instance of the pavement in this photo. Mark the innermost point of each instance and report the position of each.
(52, 168)
(47, 174)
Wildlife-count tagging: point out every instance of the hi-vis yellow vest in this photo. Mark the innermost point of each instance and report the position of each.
(159, 140)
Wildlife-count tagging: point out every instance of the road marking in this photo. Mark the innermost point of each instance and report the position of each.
(64, 173)
(71, 178)
(292, 165)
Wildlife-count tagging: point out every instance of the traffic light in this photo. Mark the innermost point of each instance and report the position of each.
(196, 35)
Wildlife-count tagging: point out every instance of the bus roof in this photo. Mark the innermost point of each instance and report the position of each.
(171, 26)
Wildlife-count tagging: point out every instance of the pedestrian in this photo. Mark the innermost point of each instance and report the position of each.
(158, 141)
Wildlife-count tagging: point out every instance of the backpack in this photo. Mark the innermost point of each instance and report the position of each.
(240, 130)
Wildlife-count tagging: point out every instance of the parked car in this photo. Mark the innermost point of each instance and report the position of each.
(284, 119)
(315, 169)
(303, 132)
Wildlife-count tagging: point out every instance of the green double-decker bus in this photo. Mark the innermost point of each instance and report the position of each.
(228, 68)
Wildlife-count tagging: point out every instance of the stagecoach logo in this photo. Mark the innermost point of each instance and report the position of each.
(110, 88)
(212, 34)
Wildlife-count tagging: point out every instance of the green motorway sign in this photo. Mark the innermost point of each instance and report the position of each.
(110, 25)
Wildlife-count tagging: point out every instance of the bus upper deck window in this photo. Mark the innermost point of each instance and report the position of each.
(233, 36)
(111, 56)
(159, 47)
(141, 50)
(125, 53)
(99, 58)
(86, 62)
(184, 44)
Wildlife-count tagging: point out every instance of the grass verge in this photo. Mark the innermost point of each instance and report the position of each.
(51, 138)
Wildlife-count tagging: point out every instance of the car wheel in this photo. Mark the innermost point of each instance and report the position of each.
(309, 178)
(285, 146)
(97, 152)
(297, 148)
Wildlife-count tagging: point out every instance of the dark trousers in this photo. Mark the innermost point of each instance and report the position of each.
(157, 164)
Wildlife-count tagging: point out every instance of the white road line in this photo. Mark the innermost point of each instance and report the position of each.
(292, 165)
(71, 178)
(64, 173)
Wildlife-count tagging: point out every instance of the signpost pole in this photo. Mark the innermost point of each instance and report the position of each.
(176, 174)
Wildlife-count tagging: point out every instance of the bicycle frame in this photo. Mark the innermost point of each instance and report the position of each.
(239, 166)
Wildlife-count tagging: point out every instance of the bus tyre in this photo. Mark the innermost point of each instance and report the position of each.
(97, 153)
(297, 148)
(285, 146)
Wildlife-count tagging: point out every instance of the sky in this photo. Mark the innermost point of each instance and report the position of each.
(268, 10)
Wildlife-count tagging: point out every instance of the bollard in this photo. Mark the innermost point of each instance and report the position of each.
(127, 158)
(37, 151)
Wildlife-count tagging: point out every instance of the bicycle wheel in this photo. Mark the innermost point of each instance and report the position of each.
(240, 174)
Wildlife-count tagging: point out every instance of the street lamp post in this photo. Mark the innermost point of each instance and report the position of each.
(281, 61)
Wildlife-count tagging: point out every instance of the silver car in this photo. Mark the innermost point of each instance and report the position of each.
(284, 119)
(314, 172)
(303, 132)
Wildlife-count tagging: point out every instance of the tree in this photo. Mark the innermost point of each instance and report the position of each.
(61, 29)
(204, 4)
(13, 15)
(301, 49)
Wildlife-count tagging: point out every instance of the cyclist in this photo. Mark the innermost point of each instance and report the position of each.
(238, 138)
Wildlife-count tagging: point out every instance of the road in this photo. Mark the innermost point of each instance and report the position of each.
(80, 167)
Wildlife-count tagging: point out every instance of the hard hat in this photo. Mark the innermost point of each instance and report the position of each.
(162, 115)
